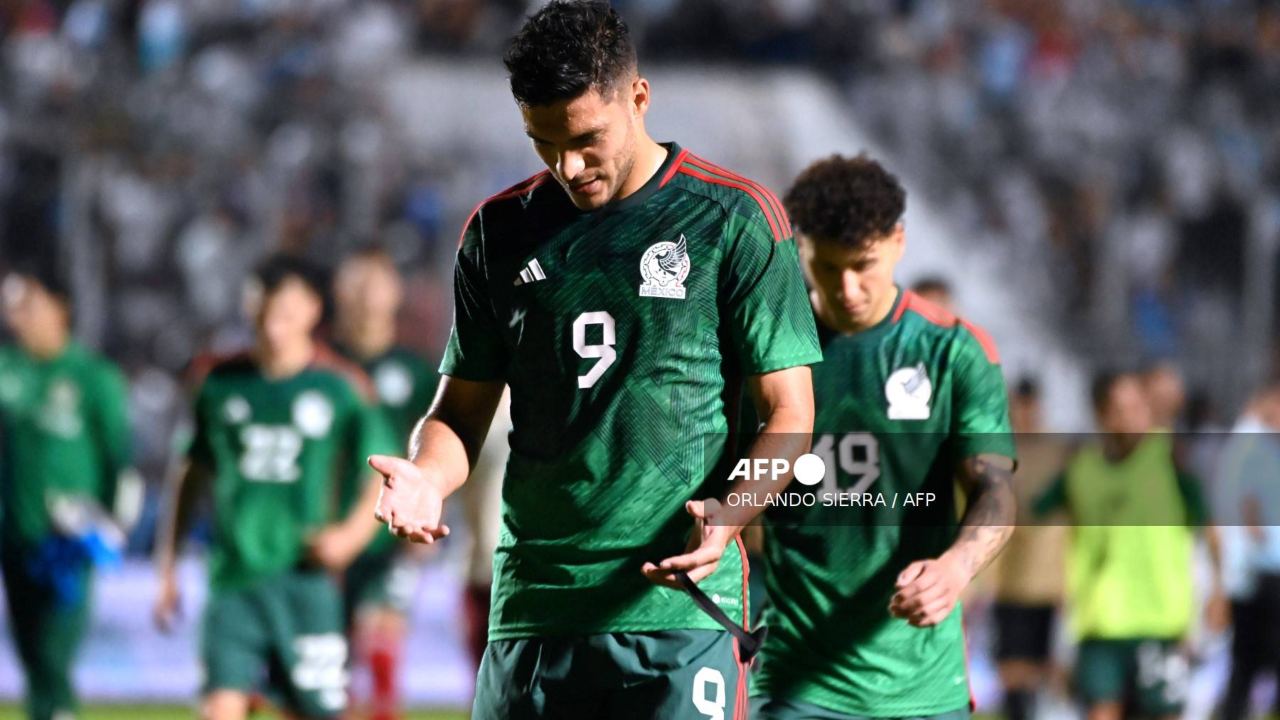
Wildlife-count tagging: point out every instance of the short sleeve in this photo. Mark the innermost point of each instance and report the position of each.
(763, 296)
(980, 414)
(475, 350)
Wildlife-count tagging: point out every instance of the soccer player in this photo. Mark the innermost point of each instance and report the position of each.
(865, 585)
(1129, 569)
(64, 435)
(378, 586)
(935, 289)
(619, 294)
(276, 431)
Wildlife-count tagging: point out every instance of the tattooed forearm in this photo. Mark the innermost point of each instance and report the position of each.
(991, 513)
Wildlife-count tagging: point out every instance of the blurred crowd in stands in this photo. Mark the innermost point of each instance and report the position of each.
(1123, 156)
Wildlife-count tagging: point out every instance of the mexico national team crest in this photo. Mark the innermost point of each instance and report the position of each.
(908, 392)
(663, 269)
(312, 414)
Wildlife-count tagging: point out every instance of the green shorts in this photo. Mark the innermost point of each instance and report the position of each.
(1150, 672)
(283, 637)
(384, 579)
(620, 676)
(765, 708)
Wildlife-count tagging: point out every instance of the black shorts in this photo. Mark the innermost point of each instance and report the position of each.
(1024, 632)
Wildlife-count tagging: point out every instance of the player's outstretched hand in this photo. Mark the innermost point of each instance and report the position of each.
(168, 607)
(702, 553)
(928, 591)
(410, 503)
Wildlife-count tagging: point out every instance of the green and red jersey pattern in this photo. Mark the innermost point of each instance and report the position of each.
(64, 429)
(623, 334)
(280, 452)
(898, 406)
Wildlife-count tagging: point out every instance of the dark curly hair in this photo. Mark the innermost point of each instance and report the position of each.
(275, 270)
(567, 48)
(851, 201)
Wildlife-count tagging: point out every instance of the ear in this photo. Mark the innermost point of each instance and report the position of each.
(640, 96)
(899, 239)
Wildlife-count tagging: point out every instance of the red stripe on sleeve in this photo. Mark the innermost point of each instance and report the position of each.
(524, 186)
(778, 235)
(984, 339)
(779, 210)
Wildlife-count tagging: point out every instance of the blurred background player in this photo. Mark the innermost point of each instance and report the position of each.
(1134, 514)
(864, 619)
(1247, 494)
(935, 289)
(1166, 395)
(1028, 576)
(64, 445)
(277, 431)
(378, 587)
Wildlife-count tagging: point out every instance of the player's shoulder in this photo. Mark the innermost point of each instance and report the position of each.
(345, 375)
(508, 205)
(933, 318)
(733, 192)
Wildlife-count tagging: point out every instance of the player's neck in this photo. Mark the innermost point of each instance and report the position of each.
(47, 345)
(649, 158)
(283, 362)
(368, 340)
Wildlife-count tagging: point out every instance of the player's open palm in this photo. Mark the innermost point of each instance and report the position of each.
(702, 553)
(410, 503)
(928, 591)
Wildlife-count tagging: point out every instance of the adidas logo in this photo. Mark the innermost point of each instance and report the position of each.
(531, 273)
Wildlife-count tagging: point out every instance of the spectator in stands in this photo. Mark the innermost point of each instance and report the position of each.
(1249, 499)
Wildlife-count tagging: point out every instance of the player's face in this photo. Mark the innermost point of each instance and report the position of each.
(287, 316)
(367, 290)
(1127, 411)
(854, 285)
(1024, 413)
(28, 309)
(590, 142)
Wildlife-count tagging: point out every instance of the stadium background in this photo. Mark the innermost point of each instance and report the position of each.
(1098, 180)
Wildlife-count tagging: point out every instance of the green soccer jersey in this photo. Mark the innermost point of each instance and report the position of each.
(405, 385)
(63, 429)
(623, 334)
(278, 451)
(897, 407)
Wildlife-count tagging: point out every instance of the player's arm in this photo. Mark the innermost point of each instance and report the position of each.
(928, 589)
(784, 400)
(121, 487)
(446, 442)
(1217, 609)
(442, 450)
(187, 487)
